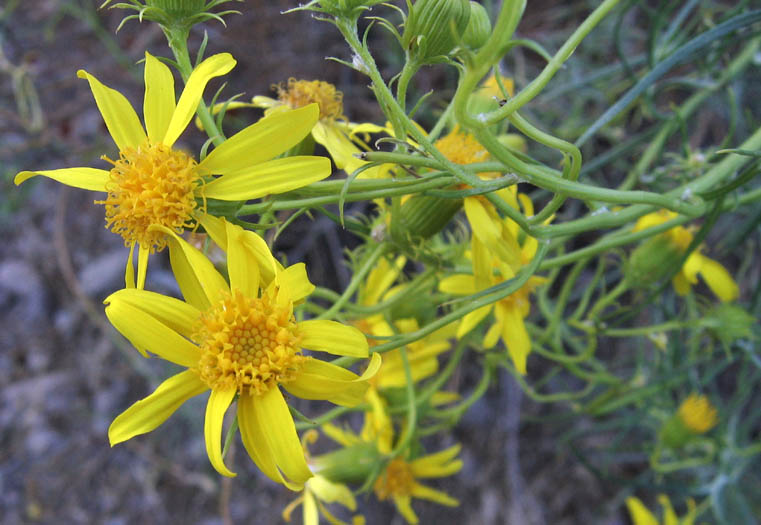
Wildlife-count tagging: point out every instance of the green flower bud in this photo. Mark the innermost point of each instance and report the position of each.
(348, 8)
(434, 27)
(423, 216)
(651, 262)
(352, 464)
(479, 26)
(172, 15)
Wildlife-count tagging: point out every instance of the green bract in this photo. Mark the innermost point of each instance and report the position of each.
(434, 28)
(479, 26)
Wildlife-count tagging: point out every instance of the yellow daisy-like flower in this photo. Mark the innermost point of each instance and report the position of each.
(714, 274)
(461, 147)
(490, 269)
(238, 340)
(332, 130)
(153, 183)
(641, 515)
(399, 480)
(698, 414)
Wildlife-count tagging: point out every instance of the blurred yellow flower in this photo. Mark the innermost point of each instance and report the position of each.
(490, 269)
(698, 414)
(238, 340)
(640, 514)
(153, 183)
(714, 274)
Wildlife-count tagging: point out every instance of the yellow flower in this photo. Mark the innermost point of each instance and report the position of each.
(332, 130)
(153, 183)
(461, 147)
(238, 339)
(640, 514)
(714, 274)
(398, 480)
(490, 269)
(698, 414)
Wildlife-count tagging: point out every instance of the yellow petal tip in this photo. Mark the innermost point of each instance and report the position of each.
(81, 73)
(23, 176)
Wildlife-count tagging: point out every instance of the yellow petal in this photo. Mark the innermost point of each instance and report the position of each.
(129, 271)
(639, 513)
(268, 178)
(85, 178)
(334, 338)
(284, 443)
(253, 433)
(487, 229)
(681, 285)
(213, 66)
(159, 103)
(438, 465)
(343, 437)
(340, 148)
(669, 515)
(437, 496)
(261, 141)
(219, 401)
(200, 283)
(310, 514)
(147, 332)
(692, 267)
(404, 506)
(150, 412)
(177, 315)
(516, 338)
(121, 120)
(242, 267)
(260, 101)
(142, 265)
(459, 284)
(719, 280)
(293, 283)
(330, 492)
(324, 381)
(471, 320)
(381, 278)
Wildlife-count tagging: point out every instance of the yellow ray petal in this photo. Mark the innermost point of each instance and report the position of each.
(343, 437)
(268, 178)
(213, 66)
(85, 178)
(639, 513)
(293, 283)
(177, 315)
(253, 433)
(681, 284)
(459, 284)
(438, 465)
(242, 267)
(219, 401)
(330, 492)
(516, 338)
(324, 381)
(261, 141)
(472, 319)
(159, 103)
(310, 514)
(200, 283)
(284, 443)
(381, 278)
(142, 265)
(404, 506)
(340, 148)
(334, 338)
(719, 280)
(260, 101)
(147, 332)
(150, 412)
(437, 496)
(217, 230)
(121, 120)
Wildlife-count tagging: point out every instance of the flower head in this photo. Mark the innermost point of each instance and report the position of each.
(714, 274)
(332, 130)
(698, 414)
(152, 183)
(239, 340)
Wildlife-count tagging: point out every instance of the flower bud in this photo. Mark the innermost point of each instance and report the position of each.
(651, 262)
(696, 415)
(729, 322)
(479, 26)
(422, 216)
(173, 15)
(352, 464)
(434, 27)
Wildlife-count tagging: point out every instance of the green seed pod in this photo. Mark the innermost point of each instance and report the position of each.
(434, 27)
(422, 216)
(479, 26)
(651, 262)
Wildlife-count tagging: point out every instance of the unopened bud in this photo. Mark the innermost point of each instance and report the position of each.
(479, 26)
(651, 262)
(434, 27)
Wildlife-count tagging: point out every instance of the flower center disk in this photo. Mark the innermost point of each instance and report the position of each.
(397, 480)
(300, 93)
(250, 344)
(150, 184)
